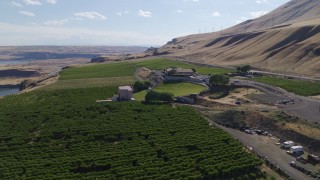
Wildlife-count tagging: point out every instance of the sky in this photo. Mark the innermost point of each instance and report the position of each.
(120, 22)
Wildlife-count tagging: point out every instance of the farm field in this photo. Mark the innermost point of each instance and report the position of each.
(92, 82)
(177, 89)
(98, 71)
(160, 64)
(303, 88)
(98, 75)
(119, 73)
(64, 134)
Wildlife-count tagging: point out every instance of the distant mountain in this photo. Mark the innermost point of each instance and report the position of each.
(286, 39)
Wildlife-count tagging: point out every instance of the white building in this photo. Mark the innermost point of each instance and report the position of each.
(125, 93)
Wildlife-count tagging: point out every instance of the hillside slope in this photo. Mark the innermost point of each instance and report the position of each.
(288, 43)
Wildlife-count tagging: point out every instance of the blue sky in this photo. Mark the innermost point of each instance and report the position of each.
(120, 22)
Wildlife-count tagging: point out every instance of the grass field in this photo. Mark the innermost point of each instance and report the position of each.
(180, 89)
(177, 89)
(160, 64)
(303, 88)
(98, 71)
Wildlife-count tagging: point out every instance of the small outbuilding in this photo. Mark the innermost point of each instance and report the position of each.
(125, 93)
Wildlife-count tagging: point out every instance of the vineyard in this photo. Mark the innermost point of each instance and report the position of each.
(303, 88)
(64, 134)
(116, 74)
(160, 64)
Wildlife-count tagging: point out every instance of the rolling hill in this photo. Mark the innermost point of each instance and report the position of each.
(286, 40)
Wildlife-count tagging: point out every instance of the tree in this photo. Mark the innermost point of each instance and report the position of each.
(219, 80)
(141, 85)
(152, 96)
(166, 97)
(138, 85)
(244, 69)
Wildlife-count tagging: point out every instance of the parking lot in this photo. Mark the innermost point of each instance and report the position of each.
(267, 147)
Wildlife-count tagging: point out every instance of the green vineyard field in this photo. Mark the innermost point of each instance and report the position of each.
(64, 134)
(303, 88)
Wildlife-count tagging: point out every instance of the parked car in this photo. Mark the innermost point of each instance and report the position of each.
(313, 159)
(302, 160)
(293, 164)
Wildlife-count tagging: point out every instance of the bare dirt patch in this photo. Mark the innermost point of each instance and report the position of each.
(304, 129)
(143, 73)
(239, 94)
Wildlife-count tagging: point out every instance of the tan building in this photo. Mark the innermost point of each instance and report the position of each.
(125, 93)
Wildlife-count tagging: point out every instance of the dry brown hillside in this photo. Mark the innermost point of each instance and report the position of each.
(290, 42)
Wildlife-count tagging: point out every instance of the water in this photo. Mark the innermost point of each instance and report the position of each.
(8, 91)
(8, 62)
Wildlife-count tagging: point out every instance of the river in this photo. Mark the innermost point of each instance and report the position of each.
(6, 62)
(8, 91)
(4, 90)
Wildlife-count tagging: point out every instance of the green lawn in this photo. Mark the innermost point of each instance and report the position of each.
(177, 89)
(140, 95)
(304, 88)
(180, 89)
(160, 64)
(98, 71)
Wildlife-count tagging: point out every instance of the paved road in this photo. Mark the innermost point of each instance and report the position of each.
(302, 107)
(266, 147)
